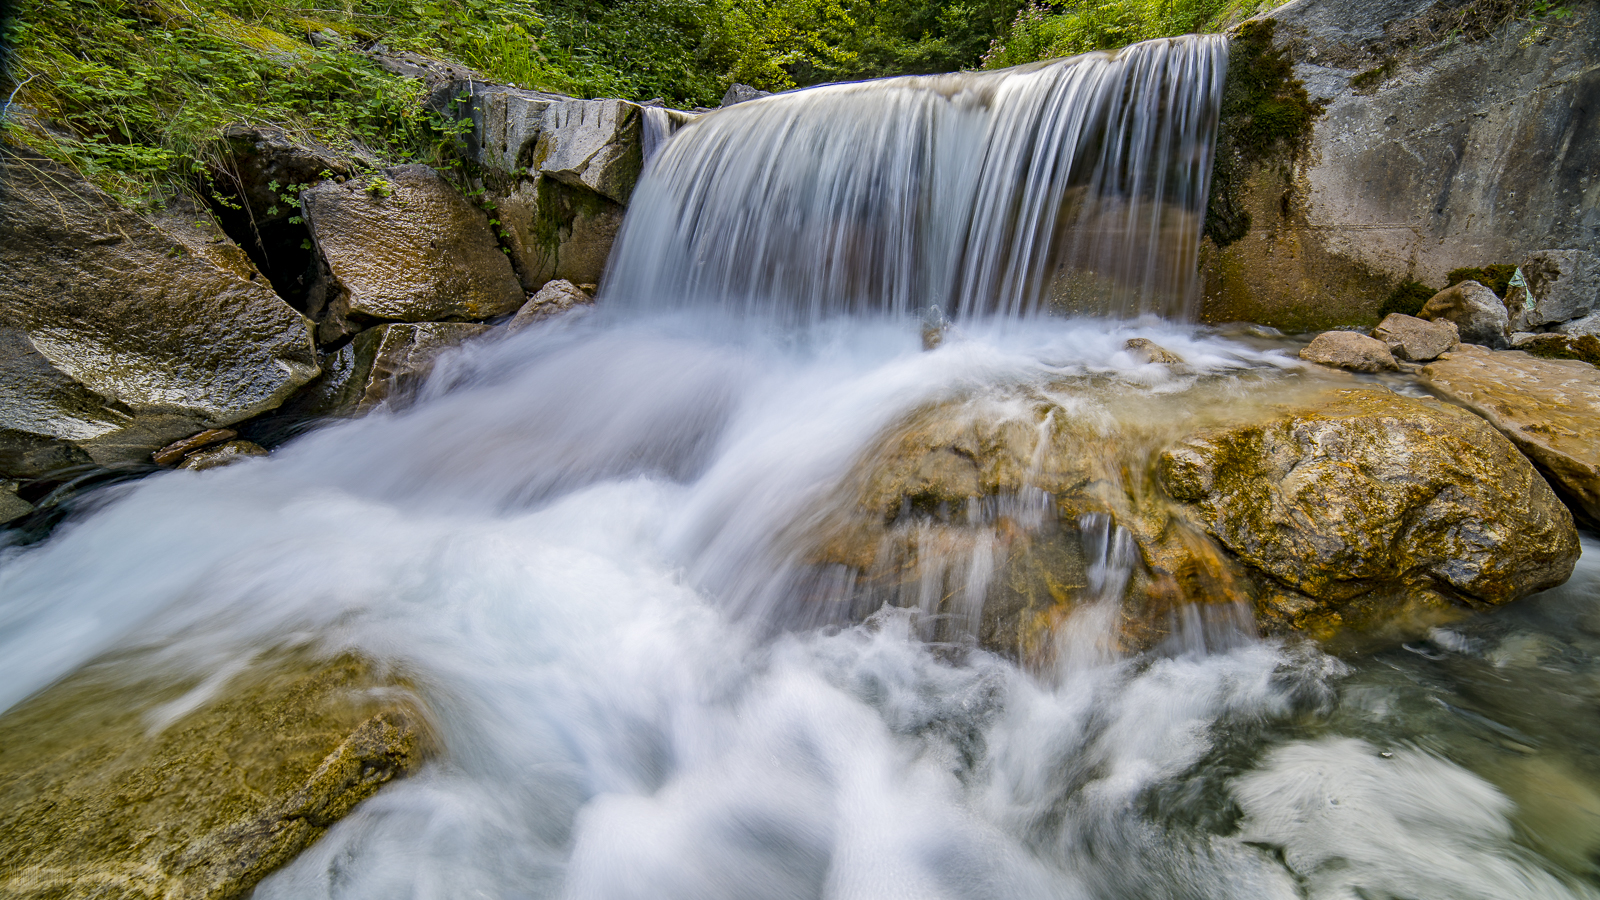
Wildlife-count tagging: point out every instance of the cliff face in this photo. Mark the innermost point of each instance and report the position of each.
(1441, 140)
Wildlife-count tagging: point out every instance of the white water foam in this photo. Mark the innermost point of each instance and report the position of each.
(553, 546)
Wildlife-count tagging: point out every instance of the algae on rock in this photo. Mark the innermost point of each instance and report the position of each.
(101, 795)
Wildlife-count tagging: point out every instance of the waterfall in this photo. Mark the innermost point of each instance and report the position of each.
(1076, 185)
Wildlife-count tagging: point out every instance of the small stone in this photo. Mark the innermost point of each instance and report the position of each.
(740, 93)
(221, 455)
(555, 298)
(1478, 313)
(171, 454)
(1350, 350)
(1417, 340)
(1148, 351)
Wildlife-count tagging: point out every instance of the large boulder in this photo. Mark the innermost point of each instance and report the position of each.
(1479, 315)
(1549, 408)
(404, 245)
(1442, 138)
(106, 792)
(591, 144)
(1349, 350)
(1369, 502)
(120, 334)
(1327, 509)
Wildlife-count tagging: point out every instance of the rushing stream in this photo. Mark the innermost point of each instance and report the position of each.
(567, 546)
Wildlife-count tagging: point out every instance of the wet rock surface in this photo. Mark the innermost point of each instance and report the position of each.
(111, 790)
(117, 337)
(1479, 315)
(1322, 509)
(405, 246)
(551, 300)
(221, 454)
(1549, 408)
(1369, 500)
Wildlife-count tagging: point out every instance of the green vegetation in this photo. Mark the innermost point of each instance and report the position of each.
(1407, 299)
(1044, 30)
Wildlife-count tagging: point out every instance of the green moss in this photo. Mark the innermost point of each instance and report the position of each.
(1407, 299)
(1267, 116)
(1368, 81)
(1496, 278)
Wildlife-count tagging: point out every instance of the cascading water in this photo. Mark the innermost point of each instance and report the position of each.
(561, 544)
(1077, 184)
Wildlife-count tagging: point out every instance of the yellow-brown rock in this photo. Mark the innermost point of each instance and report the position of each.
(1549, 408)
(1322, 507)
(1375, 501)
(102, 796)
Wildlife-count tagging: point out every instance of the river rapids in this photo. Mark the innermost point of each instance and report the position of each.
(563, 544)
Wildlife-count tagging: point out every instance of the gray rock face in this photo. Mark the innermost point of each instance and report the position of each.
(1589, 325)
(558, 231)
(1563, 285)
(1349, 350)
(406, 247)
(1416, 340)
(593, 144)
(1478, 314)
(1431, 155)
(119, 334)
(553, 299)
(380, 365)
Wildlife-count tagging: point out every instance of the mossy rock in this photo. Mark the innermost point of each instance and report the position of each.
(1327, 509)
(102, 796)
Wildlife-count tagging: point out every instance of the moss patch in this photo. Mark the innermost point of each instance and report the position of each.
(1407, 299)
(1496, 278)
(1267, 116)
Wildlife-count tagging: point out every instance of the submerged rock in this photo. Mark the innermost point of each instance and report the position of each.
(1549, 408)
(12, 507)
(1305, 505)
(1478, 313)
(106, 791)
(405, 246)
(1151, 352)
(1349, 350)
(120, 334)
(1417, 340)
(173, 453)
(221, 455)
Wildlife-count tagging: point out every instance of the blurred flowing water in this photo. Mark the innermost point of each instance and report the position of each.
(574, 545)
